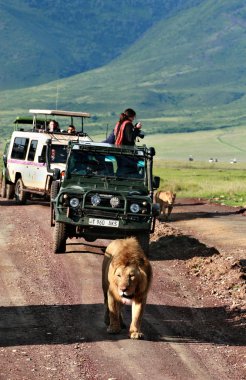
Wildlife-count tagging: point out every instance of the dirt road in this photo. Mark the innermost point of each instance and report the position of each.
(51, 313)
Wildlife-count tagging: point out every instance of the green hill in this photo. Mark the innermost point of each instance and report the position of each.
(186, 73)
(47, 40)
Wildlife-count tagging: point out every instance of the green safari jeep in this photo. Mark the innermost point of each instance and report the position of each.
(107, 193)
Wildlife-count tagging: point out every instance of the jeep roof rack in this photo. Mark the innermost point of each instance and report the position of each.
(70, 114)
(21, 121)
(27, 120)
(59, 113)
(111, 148)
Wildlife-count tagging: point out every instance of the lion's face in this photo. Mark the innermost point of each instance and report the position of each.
(167, 197)
(126, 279)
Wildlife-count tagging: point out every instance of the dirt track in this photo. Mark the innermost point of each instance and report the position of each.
(51, 314)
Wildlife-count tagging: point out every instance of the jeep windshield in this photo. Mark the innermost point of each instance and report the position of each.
(86, 163)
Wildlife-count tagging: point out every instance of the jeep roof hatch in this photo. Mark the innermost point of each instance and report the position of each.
(107, 148)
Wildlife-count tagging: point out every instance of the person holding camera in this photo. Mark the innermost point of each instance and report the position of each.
(125, 132)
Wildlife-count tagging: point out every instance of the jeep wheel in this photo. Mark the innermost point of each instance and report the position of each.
(54, 189)
(60, 236)
(10, 191)
(20, 194)
(3, 187)
(143, 240)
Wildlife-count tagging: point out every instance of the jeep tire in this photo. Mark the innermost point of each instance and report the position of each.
(54, 189)
(60, 236)
(3, 186)
(20, 194)
(10, 191)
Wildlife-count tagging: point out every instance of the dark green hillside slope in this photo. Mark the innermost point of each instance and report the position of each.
(186, 73)
(47, 40)
(191, 65)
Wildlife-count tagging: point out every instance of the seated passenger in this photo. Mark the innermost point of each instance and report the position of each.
(53, 126)
(71, 130)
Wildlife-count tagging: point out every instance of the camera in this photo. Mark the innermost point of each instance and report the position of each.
(139, 133)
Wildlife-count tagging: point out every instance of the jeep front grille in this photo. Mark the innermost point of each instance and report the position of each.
(105, 202)
(104, 207)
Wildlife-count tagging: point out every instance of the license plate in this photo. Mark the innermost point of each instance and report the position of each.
(103, 222)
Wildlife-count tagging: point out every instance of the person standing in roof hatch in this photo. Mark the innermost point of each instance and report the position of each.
(125, 132)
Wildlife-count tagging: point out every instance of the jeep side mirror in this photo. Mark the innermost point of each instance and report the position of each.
(151, 151)
(56, 174)
(41, 159)
(156, 182)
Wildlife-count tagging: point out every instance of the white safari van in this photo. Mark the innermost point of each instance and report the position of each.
(34, 152)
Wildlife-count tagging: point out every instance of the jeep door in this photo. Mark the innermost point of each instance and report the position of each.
(37, 169)
(33, 169)
(37, 164)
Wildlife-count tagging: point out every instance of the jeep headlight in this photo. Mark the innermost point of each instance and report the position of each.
(134, 208)
(74, 202)
(95, 200)
(115, 202)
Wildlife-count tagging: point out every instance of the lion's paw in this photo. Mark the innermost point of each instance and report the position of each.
(113, 329)
(136, 335)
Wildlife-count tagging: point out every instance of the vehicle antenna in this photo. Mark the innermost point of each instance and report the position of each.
(57, 94)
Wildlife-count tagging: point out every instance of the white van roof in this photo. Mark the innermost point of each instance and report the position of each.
(59, 113)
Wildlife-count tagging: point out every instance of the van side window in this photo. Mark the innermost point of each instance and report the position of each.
(58, 153)
(32, 150)
(43, 153)
(20, 148)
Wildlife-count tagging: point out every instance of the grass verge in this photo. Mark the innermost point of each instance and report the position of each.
(216, 181)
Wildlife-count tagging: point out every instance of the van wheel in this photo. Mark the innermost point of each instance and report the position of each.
(143, 240)
(10, 191)
(3, 187)
(60, 236)
(20, 194)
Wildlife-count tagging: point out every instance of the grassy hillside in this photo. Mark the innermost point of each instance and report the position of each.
(225, 145)
(187, 73)
(47, 40)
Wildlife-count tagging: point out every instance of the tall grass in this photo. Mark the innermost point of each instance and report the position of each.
(218, 182)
